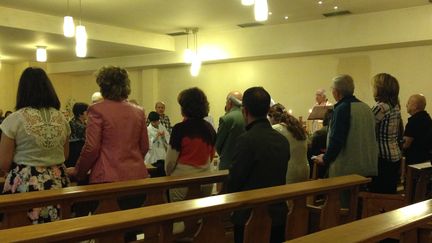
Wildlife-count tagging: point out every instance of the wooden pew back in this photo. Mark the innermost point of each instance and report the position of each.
(14, 207)
(417, 179)
(109, 227)
(404, 222)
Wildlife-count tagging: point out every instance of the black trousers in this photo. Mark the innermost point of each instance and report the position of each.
(388, 177)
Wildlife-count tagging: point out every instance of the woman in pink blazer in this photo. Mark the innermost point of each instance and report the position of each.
(116, 140)
(116, 135)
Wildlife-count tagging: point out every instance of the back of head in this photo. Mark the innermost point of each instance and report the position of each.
(419, 101)
(79, 108)
(344, 84)
(257, 101)
(236, 98)
(96, 97)
(193, 103)
(114, 83)
(36, 90)
(153, 116)
(386, 89)
(276, 111)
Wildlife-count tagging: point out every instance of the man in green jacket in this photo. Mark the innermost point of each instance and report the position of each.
(231, 125)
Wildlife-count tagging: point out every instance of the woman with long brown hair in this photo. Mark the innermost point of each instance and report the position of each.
(292, 129)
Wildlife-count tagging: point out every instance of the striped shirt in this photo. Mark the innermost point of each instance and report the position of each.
(388, 120)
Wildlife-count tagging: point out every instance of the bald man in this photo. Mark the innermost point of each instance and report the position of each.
(231, 125)
(418, 131)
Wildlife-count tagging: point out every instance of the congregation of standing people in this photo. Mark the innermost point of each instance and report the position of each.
(262, 145)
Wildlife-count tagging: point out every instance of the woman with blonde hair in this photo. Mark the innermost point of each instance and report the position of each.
(388, 119)
(292, 129)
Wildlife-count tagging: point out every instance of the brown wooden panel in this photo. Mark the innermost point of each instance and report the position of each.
(183, 210)
(376, 228)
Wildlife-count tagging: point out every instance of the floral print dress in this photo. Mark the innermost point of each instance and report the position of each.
(40, 135)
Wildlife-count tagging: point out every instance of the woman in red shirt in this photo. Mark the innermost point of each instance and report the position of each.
(192, 143)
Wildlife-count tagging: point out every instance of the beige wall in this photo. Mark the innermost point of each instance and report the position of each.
(291, 81)
(7, 87)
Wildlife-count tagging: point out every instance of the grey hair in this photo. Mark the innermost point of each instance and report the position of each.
(344, 84)
(234, 100)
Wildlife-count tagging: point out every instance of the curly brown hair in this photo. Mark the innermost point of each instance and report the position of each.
(294, 126)
(114, 83)
(279, 115)
(193, 102)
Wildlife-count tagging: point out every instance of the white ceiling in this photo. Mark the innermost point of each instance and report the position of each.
(159, 16)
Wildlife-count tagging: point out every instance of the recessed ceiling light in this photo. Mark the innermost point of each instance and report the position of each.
(335, 7)
(320, 2)
(286, 17)
(270, 13)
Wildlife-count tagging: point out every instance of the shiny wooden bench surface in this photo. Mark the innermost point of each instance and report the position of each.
(110, 226)
(15, 206)
(403, 222)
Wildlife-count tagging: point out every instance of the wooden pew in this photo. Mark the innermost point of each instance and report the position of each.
(2, 181)
(404, 222)
(109, 227)
(14, 207)
(417, 179)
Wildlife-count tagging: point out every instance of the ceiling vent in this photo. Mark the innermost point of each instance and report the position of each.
(249, 25)
(177, 33)
(338, 13)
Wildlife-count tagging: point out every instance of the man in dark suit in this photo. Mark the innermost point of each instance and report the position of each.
(261, 160)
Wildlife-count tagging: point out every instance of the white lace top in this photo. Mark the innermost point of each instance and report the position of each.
(39, 134)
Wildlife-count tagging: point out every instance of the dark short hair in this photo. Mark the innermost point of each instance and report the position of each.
(36, 90)
(114, 83)
(193, 103)
(257, 101)
(79, 108)
(153, 116)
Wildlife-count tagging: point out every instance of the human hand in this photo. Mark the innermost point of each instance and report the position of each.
(71, 172)
(319, 159)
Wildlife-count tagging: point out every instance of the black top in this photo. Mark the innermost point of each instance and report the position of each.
(192, 128)
(419, 127)
(260, 160)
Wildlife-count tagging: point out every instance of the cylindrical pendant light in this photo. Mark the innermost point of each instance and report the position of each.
(80, 38)
(68, 26)
(41, 54)
(81, 34)
(188, 55)
(81, 49)
(261, 10)
(248, 2)
(81, 41)
(196, 60)
(195, 66)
